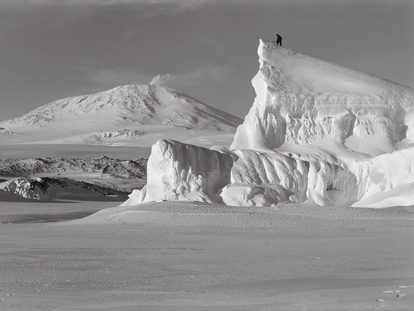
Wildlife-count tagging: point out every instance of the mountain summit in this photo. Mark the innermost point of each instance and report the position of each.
(136, 113)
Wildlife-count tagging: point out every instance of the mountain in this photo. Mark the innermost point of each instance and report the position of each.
(317, 133)
(143, 104)
(126, 115)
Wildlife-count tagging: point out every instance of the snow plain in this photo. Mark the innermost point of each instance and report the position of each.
(194, 256)
(185, 255)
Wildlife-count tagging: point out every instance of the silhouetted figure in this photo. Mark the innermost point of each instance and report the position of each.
(278, 39)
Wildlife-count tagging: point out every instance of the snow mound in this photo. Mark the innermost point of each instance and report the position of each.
(317, 133)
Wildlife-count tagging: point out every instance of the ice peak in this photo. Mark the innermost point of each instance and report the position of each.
(303, 100)
(291, 72)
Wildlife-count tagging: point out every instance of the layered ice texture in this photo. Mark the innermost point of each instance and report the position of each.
(317, 133)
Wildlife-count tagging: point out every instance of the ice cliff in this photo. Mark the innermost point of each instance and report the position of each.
(317, 133)
(178, 171)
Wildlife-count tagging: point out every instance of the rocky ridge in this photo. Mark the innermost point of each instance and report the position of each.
(32, 178)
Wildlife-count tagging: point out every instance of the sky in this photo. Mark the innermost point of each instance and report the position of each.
(52, 49)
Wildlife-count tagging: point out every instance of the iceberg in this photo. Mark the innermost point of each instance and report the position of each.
(318, 133)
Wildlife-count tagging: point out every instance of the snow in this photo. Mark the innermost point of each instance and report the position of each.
(318, 133)
(177, 255)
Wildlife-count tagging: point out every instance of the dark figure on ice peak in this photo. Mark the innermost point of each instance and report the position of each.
(278, 39)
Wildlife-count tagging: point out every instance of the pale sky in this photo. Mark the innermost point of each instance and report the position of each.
(52, 49)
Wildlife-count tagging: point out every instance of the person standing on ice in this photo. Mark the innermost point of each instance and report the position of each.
(278, 39)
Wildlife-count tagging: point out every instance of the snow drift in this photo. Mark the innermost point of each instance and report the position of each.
(317, 133)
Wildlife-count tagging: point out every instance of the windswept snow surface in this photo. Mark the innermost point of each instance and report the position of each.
(128, 115)
(317, 133)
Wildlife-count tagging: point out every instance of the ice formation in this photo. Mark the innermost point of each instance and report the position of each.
(180, 171)
(301, 100)
(317, 133)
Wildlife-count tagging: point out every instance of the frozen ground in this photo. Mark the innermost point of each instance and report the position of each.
(185, 256)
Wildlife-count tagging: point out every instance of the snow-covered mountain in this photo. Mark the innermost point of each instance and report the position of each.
(125, 115)
(143, 104)
(317, 133)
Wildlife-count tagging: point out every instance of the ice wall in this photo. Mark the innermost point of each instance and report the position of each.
(178, 171)
(266, 179)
